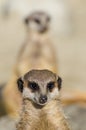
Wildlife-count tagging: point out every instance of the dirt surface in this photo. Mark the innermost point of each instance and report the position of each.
(7, 124)
(76, 116)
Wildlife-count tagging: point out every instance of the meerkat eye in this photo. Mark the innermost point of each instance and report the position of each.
(34, 86)
(37, 21)
(50, 85)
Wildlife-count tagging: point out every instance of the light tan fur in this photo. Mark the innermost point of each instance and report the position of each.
(38, 53)
(50, 117)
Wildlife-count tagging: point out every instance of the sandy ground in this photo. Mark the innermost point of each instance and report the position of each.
(71, 51)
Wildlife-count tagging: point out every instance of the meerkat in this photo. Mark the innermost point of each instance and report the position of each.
(37, 52)
(41, 108)
(38, 48)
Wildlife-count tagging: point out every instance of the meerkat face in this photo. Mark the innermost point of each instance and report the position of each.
(38, 21)
(40, 86)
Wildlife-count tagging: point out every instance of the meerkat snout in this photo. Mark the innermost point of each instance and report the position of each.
(43, 99)
(39, 86)
(38, 21)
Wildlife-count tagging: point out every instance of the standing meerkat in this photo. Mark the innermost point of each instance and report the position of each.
(36, 53)
(41, 107)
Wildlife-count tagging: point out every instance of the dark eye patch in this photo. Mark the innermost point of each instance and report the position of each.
(50, 86)
(48, 19)
(20, 84)
(33, 86)
(37, 21)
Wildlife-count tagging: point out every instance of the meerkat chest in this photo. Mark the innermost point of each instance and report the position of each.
(36, 119)
(43, 122)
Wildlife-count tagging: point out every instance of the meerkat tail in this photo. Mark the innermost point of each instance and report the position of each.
(73, 96)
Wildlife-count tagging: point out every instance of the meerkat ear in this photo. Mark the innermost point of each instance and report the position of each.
(20, 84)
(59, 81)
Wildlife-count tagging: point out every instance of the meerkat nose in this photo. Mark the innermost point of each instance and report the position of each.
(43, 29)
(43, 99)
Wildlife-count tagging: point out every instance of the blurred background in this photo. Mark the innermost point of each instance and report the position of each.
(68, 27)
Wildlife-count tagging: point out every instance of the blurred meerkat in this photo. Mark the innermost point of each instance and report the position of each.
(36, 53)
(38, 48)
(41, 107)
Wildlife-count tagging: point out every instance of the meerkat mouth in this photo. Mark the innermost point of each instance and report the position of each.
(35, 103)
(38, 105)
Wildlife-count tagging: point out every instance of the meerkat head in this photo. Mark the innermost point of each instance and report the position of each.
(39, 86)
(38, 21)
